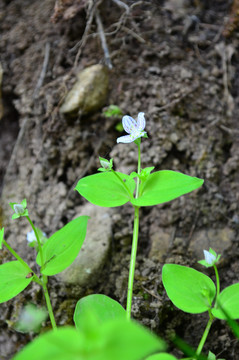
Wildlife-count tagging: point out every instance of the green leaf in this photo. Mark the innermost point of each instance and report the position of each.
(189, 289)
(211, 356)
(24, 203)
(229, 300)
(107, 189)
(162, 356)
(63, 246)
(103, 307)
(128, 340)
(114, 340)
(63, 344)
(1, 237)
(165, 185)
(13, 280)
(113, 110)
(232, 323)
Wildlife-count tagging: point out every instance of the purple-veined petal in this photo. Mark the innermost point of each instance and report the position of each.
(141, 121)
(129, 124)
(130, 138)
(124, 139)
(137, 134)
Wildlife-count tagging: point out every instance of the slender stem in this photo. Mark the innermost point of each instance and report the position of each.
(139, 168)
(123, 183)
(205, 334)
(44, 282)
(48, 302)
(132, 262)
(217, 280)
(18, 257)
(134, 245)
(38, 240)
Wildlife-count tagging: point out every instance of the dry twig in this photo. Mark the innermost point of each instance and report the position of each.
(43, 71)
(103, 39)
(82, 42)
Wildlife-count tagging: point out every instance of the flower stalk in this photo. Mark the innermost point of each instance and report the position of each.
(134, 242)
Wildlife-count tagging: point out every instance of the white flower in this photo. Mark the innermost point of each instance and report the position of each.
(19, 209)
(31, 236)
(209, 258)
(104, 164)
(133, 128)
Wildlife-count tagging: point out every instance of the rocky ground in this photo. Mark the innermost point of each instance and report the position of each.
(178, 62)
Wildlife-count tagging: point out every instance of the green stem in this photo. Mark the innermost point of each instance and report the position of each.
(38, 240)
(217, 280)
(13, 252)
(44, 282)
(139, 169)
(132, 262)
(134, 245)
(18, 257)
(48, 302)
(205, 334)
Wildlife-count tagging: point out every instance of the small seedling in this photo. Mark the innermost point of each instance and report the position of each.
(194, 292)
(111, 188)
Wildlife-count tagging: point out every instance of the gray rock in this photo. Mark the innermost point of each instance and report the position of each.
(218, 239)
(161, 239)
(85, 270)
(89, 92)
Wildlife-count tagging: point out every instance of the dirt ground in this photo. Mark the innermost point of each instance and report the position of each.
(175, 60)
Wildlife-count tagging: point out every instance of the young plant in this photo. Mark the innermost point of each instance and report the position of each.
(53, 256)
(112, 111)
(104, 330)
(111, 188)
(195, 293)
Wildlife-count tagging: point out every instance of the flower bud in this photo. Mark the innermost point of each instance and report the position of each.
(209, 258)
(19, 209)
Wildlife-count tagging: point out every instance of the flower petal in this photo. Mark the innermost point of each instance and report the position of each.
(209, 258)
(137, 134)
(141, 121)
(18, 208)
(129, 124)
(125, 139)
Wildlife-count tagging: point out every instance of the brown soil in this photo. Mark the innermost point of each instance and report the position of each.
(171, 60)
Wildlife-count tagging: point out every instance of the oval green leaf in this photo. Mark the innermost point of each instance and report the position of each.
(14, 278)
(106, 189)
(114, 340)
(64, 344)
(165, 185)
(101, 306)
(128, 340)
(188, 289)
(229, 301)
(63, 246)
